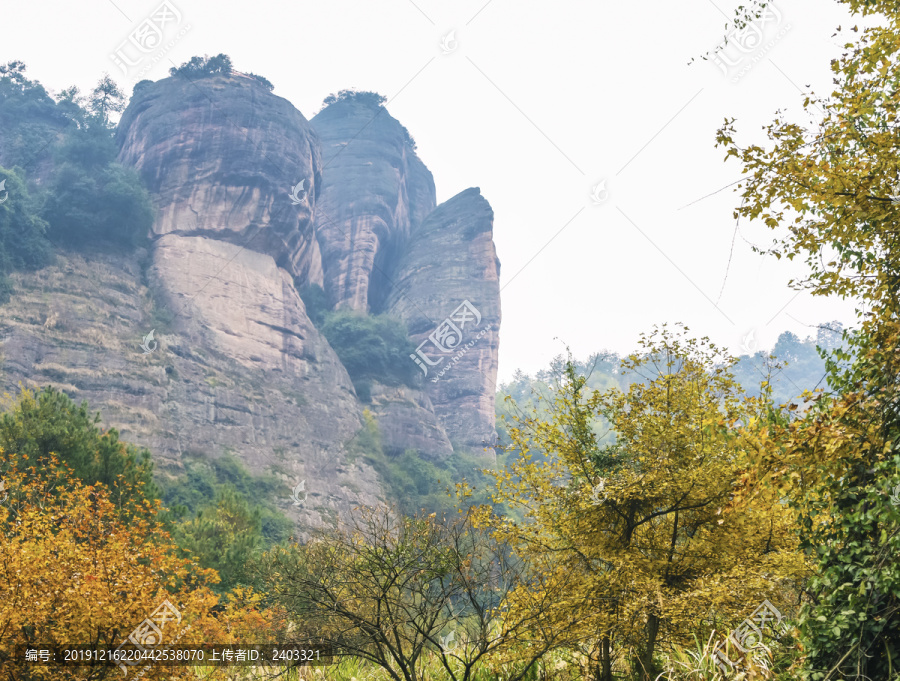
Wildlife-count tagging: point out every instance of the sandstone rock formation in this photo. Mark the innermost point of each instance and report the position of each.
(223, 158)
(407, 420)
(251, 202)
(79, 325)
(385, 249)
(374, 190)
(450, 260)
(220, 157)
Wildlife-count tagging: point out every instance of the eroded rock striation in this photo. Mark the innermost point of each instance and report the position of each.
(253, 202)
(447, 290)
(221, 157)
(374, 191)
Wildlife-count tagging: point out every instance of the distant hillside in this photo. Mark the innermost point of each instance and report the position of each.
(802, 368)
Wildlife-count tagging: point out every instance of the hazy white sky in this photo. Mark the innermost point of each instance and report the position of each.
(535, 103)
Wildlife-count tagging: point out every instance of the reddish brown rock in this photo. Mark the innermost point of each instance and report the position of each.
(235, 364)
(374, 190)
(220, 157)
(450, 271)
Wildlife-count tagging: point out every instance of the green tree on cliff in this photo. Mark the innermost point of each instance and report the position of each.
(92, 198)
(199, 67)
(23, 244)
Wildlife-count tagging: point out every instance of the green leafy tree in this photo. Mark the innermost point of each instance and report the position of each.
(90, 204)
(223, 536)
(106, 98)
(36, 425)
(208, 478)
(645, 531)
(92, 200)
(316, 301)
(23, 244)
(365, 97)
(371, 347)
(832, 193)
(70, 103)
(199, 67)
(89, 147)
(30, 119)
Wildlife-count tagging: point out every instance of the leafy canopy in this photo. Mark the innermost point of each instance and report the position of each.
(47, 425)
(646, 531)
(831, 191)
(199, 67)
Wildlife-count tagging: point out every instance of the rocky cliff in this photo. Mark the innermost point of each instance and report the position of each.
(374, 191)
(253, 202)
(447, 290)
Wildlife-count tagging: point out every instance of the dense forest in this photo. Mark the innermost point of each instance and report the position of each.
(677, 513)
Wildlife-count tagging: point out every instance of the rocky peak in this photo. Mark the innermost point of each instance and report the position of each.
(374, 191)
(252, 199)
(447, 290)
(221, 156)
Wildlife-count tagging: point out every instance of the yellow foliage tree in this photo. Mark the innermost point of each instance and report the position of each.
(75, 570)
(645, 533)
(832, 190)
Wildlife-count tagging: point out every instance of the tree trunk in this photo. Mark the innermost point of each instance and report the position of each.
(605, 659)
(648, 671)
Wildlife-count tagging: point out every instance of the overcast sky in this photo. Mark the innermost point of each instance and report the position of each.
(536, 103)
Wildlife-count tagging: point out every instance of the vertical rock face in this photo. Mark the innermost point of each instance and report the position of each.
(221, 156)
(447, 291)
(407, 421)
(250, 200)
(374, 189)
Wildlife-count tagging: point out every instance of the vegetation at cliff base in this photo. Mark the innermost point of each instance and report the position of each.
(219, 514)
(38, 426)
